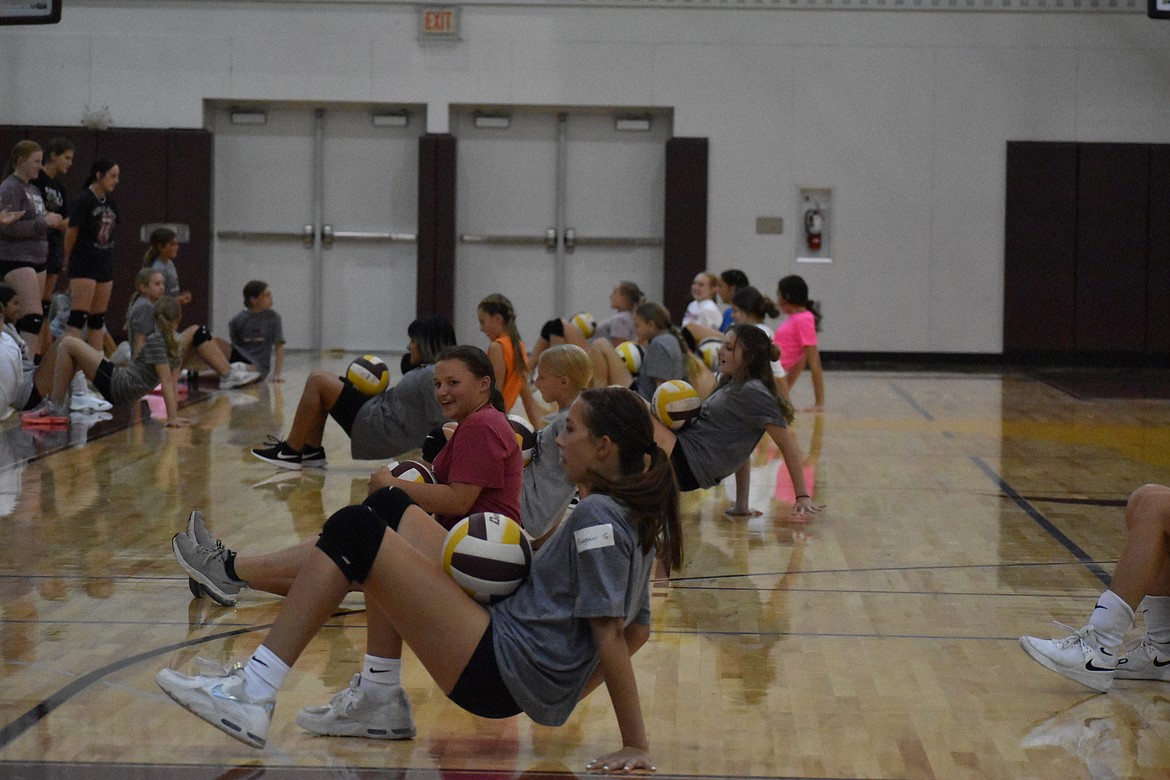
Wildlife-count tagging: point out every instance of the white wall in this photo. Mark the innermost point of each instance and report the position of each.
(905, 114)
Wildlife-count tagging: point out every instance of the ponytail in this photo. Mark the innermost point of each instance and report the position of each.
(498, 304)
(158, 239)
(166, 311)
(646, 486)
(793, 290)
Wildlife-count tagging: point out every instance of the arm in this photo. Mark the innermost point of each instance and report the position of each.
(792, 374)
(456, 498)
(70, 242)
(278, 364)
(618, 673)
(530, 407)
(495, 354)
(794, 462)
(743, 484)
(169, 380)
(812, 357)
(137, 340)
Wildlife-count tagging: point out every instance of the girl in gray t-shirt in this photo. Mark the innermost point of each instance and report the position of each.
(744, 407)
(572, 625)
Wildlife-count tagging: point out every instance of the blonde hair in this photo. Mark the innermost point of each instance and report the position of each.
(569, 361)
(166, 311)
(498, 304)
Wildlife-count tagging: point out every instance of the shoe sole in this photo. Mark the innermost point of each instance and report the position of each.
(314, 464)
(209, 587)
(356, 730)
(1100, 682)
(284, 464)
(233, 730)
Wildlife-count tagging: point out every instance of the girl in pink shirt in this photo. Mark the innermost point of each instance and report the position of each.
(797, 337)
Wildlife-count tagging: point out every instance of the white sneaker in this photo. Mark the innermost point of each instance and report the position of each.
(240, 374)
(1147, 661)
(220, 700)
(88, 402)
(1080, 657)
(350, 714)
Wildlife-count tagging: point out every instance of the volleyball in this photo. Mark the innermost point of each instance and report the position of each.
(631, 352)
(584, 322)
(525, 436)
(709, 351)
(411, 471)
(488, 555)
(676, 403)
(369, 374)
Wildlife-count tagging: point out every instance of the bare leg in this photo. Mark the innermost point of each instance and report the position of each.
(274, 572)
(73, 355)
(608, 367)
(321, 392)
(99, 305)
(1144, 568)
(81, 299)
(27, 283)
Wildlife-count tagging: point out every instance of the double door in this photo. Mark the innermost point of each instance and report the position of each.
(322, 205)
(554, 210)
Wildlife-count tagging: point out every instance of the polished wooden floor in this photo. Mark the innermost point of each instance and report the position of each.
(876, 641)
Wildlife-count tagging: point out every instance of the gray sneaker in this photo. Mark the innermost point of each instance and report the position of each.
(202, 537)
(1147, 661)
(220, 700)
(208, 567)
(350, 714)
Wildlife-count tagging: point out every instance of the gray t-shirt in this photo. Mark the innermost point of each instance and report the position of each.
(619, 327)
(397, 420)
(138, 377)
(728, 428)
(254, 334)
(544, 491)
(170, 276)
(140, 318)
(591, 567)
(663, 360)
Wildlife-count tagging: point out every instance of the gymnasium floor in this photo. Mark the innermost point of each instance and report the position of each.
(876, 641)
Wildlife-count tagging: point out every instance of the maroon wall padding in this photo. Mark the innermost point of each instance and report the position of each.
(188, 201)
(1112, 207)
(165, 176)
(684, 250)
(436, 225)
(1040, 247)
(1158, 253)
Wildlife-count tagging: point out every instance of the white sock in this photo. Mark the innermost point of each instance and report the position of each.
(264, 674)
(79, 385)
(1156, 611)
(380, 676)
(1111, 618)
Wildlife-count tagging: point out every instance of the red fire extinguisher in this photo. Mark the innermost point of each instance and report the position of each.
(814, 225)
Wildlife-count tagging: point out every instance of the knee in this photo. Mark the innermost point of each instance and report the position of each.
(552, 328)
(390, 504)
(30, 323)
(351, 538)
(200, 337)
(77, 318)
(1149, 504)
(96, 322)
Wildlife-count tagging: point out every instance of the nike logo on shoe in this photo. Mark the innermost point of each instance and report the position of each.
(1160, 664)
(287, 456)
(1089, 666)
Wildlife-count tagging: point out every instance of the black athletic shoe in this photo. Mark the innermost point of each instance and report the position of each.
(280, 454)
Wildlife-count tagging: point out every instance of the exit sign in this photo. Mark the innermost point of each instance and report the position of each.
(438, 22)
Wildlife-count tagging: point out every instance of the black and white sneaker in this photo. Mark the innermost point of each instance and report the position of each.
(278, 453)
(313, 457)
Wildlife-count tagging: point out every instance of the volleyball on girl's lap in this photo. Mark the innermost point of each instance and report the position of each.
(411, 471)
(676, 403)
(369, 374)
(631, 353)
(488, 555)
(585, 323)
(525, 436)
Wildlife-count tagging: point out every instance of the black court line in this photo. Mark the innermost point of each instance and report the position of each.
(867, 569)
(41, 710)
(1074, 549)
(905, 396)
(1110, 502)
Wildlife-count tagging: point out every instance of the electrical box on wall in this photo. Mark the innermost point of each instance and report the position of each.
(814, 210)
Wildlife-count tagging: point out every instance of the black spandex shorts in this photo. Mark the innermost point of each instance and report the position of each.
(98, 269)
(682, 470)
(345, 410)
(480, 689)
(8, 266)
(101, 379)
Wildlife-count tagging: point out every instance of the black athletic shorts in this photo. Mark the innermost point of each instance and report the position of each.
(345, 410)
(682, 470)
(101, 379)
(98, 269)
(8, 266)
(480, 689)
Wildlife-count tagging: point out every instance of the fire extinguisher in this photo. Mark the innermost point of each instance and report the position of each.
(814, 225)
